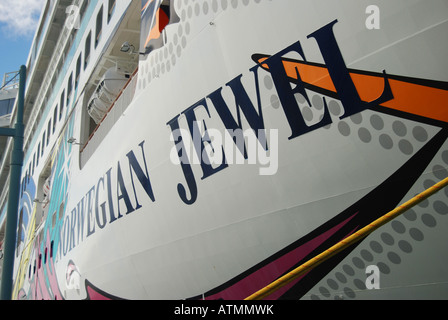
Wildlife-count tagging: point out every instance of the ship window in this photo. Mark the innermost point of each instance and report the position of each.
(48, 132)
(34, 163)
(20, 231)
(6, 106)
(61, 110)
(83, 9)
(43, 144)
(99, 26)
(38, 154)
(22, 185)
(55, 118)
(87, 50)
(154, 19)
(78, 70)
(69, 89)
(111, 9)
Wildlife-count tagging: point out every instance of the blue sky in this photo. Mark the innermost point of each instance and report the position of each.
(18, 22)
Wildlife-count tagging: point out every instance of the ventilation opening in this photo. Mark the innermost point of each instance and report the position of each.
(155, 18)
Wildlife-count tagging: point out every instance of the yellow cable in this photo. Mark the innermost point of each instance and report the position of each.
(338, 247)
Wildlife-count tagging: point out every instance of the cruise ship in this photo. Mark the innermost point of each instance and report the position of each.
(201, 149)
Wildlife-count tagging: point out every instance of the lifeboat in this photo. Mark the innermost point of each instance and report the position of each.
(105, 94)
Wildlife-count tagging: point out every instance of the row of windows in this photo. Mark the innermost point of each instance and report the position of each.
(58, 112)
(65, 96)
(38, 264)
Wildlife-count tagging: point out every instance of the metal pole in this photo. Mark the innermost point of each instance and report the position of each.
(14, 191)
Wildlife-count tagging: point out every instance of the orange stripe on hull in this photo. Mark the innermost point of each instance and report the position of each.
(417, 99)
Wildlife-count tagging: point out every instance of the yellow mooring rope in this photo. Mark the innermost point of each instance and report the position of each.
(338, 247)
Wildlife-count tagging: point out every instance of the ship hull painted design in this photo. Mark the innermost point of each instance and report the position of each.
(172, 204)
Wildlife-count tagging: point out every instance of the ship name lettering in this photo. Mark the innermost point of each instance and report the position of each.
(115, 195)
(346, 92)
